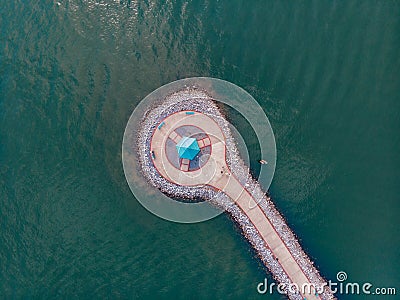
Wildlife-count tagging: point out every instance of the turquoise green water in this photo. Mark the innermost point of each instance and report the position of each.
(327, 75)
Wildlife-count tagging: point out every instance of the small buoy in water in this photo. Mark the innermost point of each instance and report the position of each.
(263, 162)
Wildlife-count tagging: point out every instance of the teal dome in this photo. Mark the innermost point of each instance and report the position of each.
(187, 148)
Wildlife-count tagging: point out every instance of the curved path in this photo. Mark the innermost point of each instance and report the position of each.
(216, 173)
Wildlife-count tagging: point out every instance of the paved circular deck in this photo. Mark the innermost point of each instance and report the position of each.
(170, 129)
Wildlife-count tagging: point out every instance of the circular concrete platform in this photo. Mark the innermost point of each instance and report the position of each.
(206, 166)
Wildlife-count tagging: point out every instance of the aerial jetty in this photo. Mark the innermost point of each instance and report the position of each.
(187, 151)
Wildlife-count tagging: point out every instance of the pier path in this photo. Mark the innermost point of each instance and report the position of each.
(216, 173)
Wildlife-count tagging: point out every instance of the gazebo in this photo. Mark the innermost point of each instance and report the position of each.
(187, 148)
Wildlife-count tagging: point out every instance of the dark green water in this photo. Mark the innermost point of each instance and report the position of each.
(327, 75)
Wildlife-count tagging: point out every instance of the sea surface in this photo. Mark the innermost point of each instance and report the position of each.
(327, 74)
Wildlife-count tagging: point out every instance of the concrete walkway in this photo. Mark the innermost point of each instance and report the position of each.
(217, 174)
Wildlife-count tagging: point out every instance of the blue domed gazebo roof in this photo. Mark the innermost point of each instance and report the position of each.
(187, 148)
